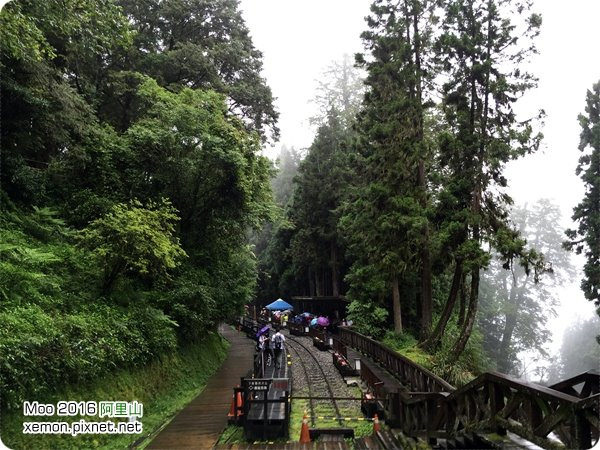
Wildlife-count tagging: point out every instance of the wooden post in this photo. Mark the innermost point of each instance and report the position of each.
(496, 405)
(431, 413)
(534, 413)
(583, 431)
(265, 411)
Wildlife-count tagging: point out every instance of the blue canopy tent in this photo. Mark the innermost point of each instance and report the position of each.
(279, 305)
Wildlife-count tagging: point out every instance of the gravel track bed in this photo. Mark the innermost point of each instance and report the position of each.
(323, 380)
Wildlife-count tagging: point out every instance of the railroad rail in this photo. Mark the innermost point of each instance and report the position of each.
(564, 415)
(313, 380)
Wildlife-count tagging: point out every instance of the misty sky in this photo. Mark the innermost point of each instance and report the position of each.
(300, 38)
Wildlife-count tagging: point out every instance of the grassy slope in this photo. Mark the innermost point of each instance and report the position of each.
(164, 387)
(457, 373)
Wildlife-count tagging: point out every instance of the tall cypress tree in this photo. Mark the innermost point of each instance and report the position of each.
(484, 48)
(386, 219)
(586, 238)
(316, 248)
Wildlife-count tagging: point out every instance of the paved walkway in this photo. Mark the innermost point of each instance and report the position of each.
(200, 423)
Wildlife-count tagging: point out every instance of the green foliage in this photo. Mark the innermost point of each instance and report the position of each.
(287, 165)
(202, 44)
(384, 218)
(398, 341)
(131, 239)
(586, 238)
(316, 249)
(110, 177)
(50, 65)
(163, 386)
(471, 362)
(305, 253)
(441, 362)
(43, 350)
(367, 318)
(341, 89)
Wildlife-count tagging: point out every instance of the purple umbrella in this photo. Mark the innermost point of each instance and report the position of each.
(323, 321)
(263, 330)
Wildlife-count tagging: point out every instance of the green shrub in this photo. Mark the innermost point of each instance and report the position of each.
(163, 386)
(41, 351)
(472, 362)
(367, 318)
(399, 341)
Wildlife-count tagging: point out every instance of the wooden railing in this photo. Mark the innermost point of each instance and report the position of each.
(373, 381)
(564, 415)
(414, 377)
(339, 347)
(497, 402)
(581, 386)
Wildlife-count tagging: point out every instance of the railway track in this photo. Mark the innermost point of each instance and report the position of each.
(317, 382)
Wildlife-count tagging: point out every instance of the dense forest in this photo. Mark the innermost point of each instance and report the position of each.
(400, 203)
(138, 211)
(131, 174)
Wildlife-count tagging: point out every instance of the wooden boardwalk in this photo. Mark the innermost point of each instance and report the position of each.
(200, 423)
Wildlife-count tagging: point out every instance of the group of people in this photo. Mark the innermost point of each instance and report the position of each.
(272, 347)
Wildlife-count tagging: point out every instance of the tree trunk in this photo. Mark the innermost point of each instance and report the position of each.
(463, 301)
(510, 322)
(318, 283)
(477, 193)
(110, 276)
(467, 328)
(311, 282)
(426, 295)
(435, 337)
(396, 303)
(335, 284)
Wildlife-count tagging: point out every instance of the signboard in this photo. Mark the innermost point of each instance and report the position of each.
(258, 384)
(281, 384)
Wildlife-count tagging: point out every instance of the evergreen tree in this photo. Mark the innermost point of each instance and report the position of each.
(271, 244)
(483, 45)
(201, 44)
(515, 309)
(341, 88)
(287, 166)
(305, 254)
(386, 217)
(316, 247)
(586, 238)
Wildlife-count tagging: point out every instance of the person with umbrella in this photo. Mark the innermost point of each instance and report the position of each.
(264, 344)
